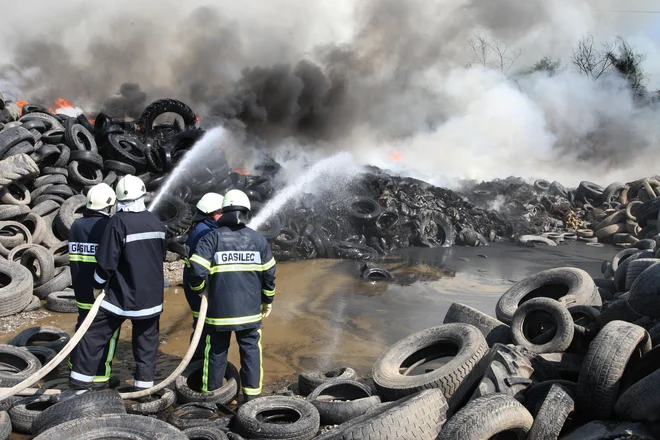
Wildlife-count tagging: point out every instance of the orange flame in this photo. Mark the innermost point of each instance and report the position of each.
(60, 103)
(197, 119)
(396, 156)
(21, 103)
(242, 171)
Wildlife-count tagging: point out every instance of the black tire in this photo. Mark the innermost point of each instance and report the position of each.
(44, 354)
(91, 403)
(113, 426)
(47, 156)
(8, 212)
(6, 404)
(205, 433)
(62, 302)
(45, 197)
(270, 228)
(119, 167)
(164, 399)
(194, 414)
(507, 371)
(463, 339)
(24, 147)
(308, 382)
(485, 417)
(542, 185)
(46, 264)
(638, 402)
(91, 158)
(25, 411)
(34, 125)
(157, 108)
(287, 238)
(127, 148)
(600, 377)
(644, 292)
(266, 417)
(53, 137)
(70, 211)
(54, 338)
(60, 253)
(190, 380)
(338, 401)
(621, 257)
(154, 160)
(18, 365)
(52, 123)
(647, 211)
(558, 189)
(10, 137)
(590, 190)
(15, 194)
(537, 393)
(376, 274)
(528, 324)
(79, 138)
(5, 425)
(493, 330)
(555, 410)
(568, 285)
(364, 208)
(16, 235)
(424, 413)
(16, 294)
(55, 170)
(35, 304)
(175, 215)
(61, 281)
(635, 269)
(84, 174)
(63, 191)
(612, 192)
(50, 179)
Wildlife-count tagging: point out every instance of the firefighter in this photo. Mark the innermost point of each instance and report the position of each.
(209, 210)
(84, 237)
(240, 268)
(130, 260)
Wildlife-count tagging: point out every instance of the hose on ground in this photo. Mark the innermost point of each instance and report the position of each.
(50, 366)
(197, 335)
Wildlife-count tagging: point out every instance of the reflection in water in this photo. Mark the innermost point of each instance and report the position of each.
(325, 315)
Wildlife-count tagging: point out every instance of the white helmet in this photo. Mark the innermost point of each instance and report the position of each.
(100, 196)
(235, 200)
(210, 202)
(129, 188)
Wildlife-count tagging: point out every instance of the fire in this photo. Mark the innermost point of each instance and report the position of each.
(21, 104)
(242, 171)
(396, 156)
(60, 103)
(197, 119)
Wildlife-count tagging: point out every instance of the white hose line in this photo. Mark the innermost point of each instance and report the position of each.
(197, 335)
(50, 366)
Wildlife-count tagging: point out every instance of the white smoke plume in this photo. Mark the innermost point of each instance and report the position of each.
(384, 79)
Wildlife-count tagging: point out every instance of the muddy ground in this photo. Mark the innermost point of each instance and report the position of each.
(324, 315)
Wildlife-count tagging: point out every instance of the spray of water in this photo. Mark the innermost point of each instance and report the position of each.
(321, 176)
(202, 149)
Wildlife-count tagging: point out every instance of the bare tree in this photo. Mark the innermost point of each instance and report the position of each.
(590, 60)
(628, 63)
(493, 54)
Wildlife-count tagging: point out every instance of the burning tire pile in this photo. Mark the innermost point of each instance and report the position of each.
(566, 357)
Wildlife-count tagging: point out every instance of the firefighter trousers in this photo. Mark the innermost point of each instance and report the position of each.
(215, 360)
(104, 370)
(90, 349)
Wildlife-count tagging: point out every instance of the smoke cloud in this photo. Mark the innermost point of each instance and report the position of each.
(383, 79)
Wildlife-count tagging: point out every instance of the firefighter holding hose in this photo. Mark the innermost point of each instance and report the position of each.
(130, 259)
(240, 268)
(84, 238)
(209, 211)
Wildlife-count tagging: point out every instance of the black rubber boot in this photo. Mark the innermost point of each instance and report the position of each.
(247, 398)
(145, 399)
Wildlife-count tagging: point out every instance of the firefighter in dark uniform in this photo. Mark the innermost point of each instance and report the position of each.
(209, 210)
(84, 237)
(240, 269)
(130, 268)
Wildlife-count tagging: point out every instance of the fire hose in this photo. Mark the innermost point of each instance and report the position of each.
(22, 388)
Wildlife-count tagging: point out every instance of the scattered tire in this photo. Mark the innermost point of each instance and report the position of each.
(493, 330)
(644, 296)
(44, 354)
(555, 410)
(542, 185)
(128, 149)
(338, 401)
(16, 293)
(364, 208)
(60, 281)
(638, 403)
(164, 399)
(62, 302)
(205, 433)
(52, 337)
(5, 425)
(308, 382)
(462, 341)
(545, 319)
(83, 174)
(119, 167)
(175, 215)
(18, 364)
(569, 286)
(25, 411)
(278, 418)
(635, 269)
(113, 426)
(45, 265)
(486, 417)
(161, 106)
(191, 379)
(424, 413)
(79, 138)
(194, 414)
(35, 304)
(89, 404)
(15, 194)
(609, 353)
